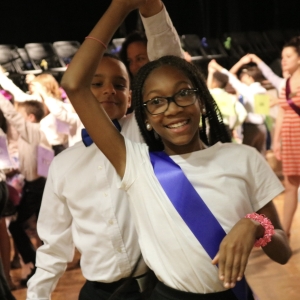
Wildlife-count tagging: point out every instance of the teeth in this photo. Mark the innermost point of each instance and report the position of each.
(177, 125)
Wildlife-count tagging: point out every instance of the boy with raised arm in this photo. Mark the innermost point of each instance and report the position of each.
(82, 207)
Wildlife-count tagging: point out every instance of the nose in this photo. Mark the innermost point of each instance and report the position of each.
(109, 89)
(173, 108)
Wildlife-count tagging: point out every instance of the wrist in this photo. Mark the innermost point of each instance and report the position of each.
(151, 8)
(264, 230)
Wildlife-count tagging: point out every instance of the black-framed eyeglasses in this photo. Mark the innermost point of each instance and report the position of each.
(183, 98)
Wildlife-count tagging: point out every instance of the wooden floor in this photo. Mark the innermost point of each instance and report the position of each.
(269, 280)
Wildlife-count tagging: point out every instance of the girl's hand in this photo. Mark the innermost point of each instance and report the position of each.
(254, 58)
(234, 251)
(245, 59)
(213, 65)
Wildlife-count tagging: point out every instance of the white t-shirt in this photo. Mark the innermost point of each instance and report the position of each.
(232, 179)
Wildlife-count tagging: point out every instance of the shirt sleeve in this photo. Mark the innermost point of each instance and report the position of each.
(136, 156)
(276, 81)
(240, 87)
(30, 132)
(60, 112)
(54, 229)
(162, 36)
(8, 85)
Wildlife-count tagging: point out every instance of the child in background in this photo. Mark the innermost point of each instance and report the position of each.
(248, 86)
(26, 121)
(233, 112)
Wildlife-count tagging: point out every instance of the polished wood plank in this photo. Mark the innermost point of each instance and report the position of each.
(272, 281)
(269, 280)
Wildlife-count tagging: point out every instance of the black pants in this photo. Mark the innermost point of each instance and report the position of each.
(102, 291)
(5, 292)
(58, 148)
(3, 197)
(163, 292)
(29, 205)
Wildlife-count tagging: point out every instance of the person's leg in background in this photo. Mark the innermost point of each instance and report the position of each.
(291, 184)
(5, 252)
(29, 205)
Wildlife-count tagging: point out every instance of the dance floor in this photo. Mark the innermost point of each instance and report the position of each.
(269, 280)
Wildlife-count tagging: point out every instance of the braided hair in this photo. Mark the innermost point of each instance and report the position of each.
(211, 134)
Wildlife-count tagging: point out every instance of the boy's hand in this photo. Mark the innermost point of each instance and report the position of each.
(150, 8)
(130, 4)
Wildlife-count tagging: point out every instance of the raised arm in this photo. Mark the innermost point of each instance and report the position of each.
(243, 61)
(240, 87)
(78, 78)
(211, 70)
(276, 80)
(162, 36)
(25, 129)
(8, 85)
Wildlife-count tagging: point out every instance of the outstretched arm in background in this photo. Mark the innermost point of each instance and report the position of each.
(78, 78)
(243, 61)
(276, 80)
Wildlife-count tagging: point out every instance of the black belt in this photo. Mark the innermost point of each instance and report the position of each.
(110, 287)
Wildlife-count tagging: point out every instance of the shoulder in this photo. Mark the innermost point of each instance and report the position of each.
(237, 151)
(77, 158)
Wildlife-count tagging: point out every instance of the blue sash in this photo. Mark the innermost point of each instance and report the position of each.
(192, 209)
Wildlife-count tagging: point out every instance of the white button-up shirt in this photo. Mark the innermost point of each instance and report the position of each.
(82, 207)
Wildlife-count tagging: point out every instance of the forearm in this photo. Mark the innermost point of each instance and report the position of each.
(234, 69)
(24, 128)
(209, 80)
(8, 85)
(84, 64)
(151, 8)
(278, 249)
(275, 80)
(162, 36)
(278, 125)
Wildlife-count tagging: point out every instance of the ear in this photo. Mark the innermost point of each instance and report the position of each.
(31, 118)
(129, 99)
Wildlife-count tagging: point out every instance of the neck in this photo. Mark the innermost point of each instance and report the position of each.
(296, 73)
(183, 149)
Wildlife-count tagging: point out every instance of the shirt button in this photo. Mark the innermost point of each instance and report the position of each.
(99, 167)
(111, 222)
(105, 194)
(119, 250)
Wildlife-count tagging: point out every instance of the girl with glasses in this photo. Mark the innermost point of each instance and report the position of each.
(199, 203)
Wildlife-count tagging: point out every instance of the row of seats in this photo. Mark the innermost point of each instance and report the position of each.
(36, 58)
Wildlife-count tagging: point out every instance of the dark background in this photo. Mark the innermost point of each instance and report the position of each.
(26, 21)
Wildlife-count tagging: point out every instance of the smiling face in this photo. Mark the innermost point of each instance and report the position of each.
(110, 86)
(290, 60)
(178, 127)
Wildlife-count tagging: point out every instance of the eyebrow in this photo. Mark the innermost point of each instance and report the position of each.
(115, 77)
(177, 85)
